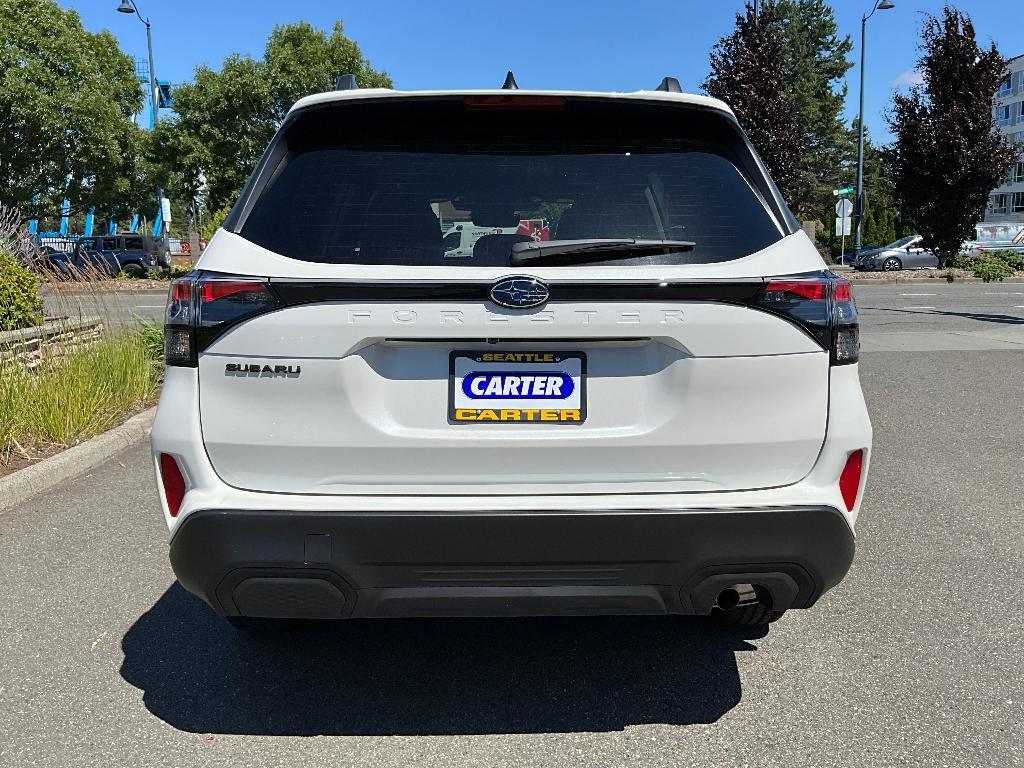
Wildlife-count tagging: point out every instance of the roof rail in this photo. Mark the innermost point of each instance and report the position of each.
(346, 83)
(669, 84)
(510, 82)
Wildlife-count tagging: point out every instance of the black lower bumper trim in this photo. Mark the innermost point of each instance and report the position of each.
(344, 564)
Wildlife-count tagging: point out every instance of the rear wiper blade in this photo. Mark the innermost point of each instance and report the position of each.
(557, 252)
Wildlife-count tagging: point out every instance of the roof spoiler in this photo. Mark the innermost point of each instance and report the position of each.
(346, 83)
(669, 85)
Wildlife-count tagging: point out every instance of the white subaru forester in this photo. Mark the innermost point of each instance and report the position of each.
(637, 392)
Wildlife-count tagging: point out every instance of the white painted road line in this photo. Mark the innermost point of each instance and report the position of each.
(1005, 293)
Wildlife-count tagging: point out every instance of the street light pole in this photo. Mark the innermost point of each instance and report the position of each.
(128, 6)
(154, 89)
(858, 211)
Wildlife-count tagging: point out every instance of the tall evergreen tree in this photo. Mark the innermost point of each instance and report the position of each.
(948, 156)
(747, 69)
(815, 72)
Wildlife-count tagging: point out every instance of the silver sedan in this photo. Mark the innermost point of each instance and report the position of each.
(906, 253)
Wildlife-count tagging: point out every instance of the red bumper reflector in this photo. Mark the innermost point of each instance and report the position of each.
(173, 482)
(849, 480)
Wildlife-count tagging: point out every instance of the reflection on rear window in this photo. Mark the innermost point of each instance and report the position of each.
(468, 199)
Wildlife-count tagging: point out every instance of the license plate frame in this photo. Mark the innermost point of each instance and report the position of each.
(529, 410)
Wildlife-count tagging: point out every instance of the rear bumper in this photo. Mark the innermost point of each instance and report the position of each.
(308, 564)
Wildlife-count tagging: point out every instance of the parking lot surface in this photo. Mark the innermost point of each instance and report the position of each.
(933, 315)
(915, 659)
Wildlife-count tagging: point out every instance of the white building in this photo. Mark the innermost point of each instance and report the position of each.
(1006, 202)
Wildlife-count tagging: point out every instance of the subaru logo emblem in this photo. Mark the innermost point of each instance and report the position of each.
(519, 292)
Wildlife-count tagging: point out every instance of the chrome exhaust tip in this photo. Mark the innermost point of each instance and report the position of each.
(736, 596)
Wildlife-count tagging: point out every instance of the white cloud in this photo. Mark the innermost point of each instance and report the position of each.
(908, 78)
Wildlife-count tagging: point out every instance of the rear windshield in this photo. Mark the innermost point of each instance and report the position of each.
(445, 183)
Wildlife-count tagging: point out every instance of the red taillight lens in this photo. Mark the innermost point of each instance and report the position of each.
(173, 482)
(179, 302)
(224, 301)
(849, 479)
(215, 290)
(812, 290)
(181, 289)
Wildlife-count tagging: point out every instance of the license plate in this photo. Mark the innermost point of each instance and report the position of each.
(521, 387)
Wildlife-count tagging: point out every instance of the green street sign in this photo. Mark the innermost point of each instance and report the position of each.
(843, 191)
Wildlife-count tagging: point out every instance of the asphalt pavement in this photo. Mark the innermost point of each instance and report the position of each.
(933, 315)
(915, 659)
(117, 308)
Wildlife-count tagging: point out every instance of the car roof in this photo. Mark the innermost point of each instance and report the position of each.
(363, 94)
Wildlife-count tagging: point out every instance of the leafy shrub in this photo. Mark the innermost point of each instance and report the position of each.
(214, 222)
(170, 274)
(960, 261)
(989, 267)
(1014, 259)
(21, 306)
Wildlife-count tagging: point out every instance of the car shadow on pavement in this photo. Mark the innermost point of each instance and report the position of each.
(983, 317)
(430, 676)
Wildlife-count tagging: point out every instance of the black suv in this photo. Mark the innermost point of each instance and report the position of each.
(131, 253)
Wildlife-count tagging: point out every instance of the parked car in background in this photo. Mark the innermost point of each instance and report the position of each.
(131, 253)
(906, 253)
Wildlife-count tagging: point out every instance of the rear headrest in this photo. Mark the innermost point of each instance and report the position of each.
(398, 229)
(620, 215)
(495, 250)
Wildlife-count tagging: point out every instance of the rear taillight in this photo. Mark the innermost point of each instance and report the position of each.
(173, 482)
(849, 479)
(201, 306)
(822, 305)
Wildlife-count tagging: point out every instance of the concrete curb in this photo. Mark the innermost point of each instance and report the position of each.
(22, 485)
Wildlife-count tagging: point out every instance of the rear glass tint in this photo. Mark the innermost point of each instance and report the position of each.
(436, 183)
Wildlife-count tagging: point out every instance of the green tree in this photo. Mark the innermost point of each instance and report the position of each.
(67, 97)
(815, 71)
(226, 117)
(747, 73)
(301, 59)
(883, 222)
(948, 156)
(879, 195)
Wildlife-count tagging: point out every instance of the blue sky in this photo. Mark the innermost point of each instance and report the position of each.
(587, 45)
